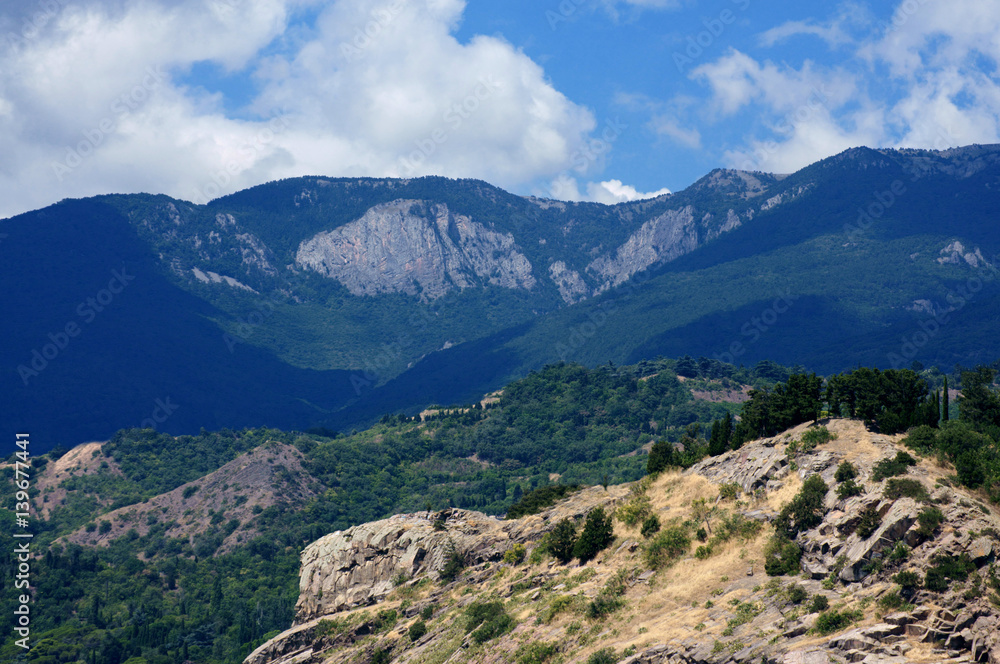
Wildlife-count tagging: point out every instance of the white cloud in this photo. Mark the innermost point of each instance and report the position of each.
(566, 188)
(95, 102)
(835, 32)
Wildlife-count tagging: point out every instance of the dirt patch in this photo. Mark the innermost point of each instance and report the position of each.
(86, 459)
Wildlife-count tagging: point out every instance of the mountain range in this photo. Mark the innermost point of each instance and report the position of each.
(326, 302)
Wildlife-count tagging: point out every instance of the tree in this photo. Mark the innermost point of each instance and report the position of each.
(661, 457)
(598, 533)
(702, 510)
(562, 541)
(717, 443)
(945, 402)
(686, 367)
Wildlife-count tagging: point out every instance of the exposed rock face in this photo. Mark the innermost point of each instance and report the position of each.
(956, 253)
(409, 247)
(735, 617)
(357, 567)
(571, 285)
(672, 234)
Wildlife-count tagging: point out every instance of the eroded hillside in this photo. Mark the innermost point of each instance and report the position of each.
(895, 564)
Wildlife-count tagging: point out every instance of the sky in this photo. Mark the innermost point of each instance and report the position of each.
(601, 100)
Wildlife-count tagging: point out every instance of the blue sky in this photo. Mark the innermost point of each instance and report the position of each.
(603, 100)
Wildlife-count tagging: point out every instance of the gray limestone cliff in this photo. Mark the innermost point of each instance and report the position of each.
(417, 248)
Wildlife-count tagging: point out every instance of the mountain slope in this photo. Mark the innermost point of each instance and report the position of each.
(331, 301)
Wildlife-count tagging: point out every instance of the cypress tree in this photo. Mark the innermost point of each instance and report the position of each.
(945, 402)
(727, 430)
(716, 444)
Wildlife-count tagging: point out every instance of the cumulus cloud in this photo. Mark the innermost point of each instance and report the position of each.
(566, 188)
(927, 78)
(99, 98)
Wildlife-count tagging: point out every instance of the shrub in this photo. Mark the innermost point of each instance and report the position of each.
(892, 601)
(609, 599)
(515, 554)
(454, 563)
(603, 656)
(650, 526)
(562, 540)
(105, 527)
(848, 488)
(730, 491)
(923, 439)
(487, 620)
(819, 603)
(905, 487)
(781, 556)
(947, 567)
(536, 653)
(635, 510)
(805, 510)
(870, 521)
(829, 622)
(899, 552)
(535, 501)
(797, 594)
(892, 467)
(417, 630)
(816, 436)
(384, 620)
(845, 471)
(427, 613)
(667, 546)
(382, 656)
(907, 580)
(190, 491)
(930, 518)
(702, 552)
(598, 533)
(701, 534)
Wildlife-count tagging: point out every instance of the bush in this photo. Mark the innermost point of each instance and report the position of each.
(190, 491)
(650, 526)
(603, 656)
(848, 488)
(667, 546)
(598, 533)
(907, 580)
(947, 567)
(905, 487)
(930, 518)
(816, 436)
(870, 521)
(562, 540)
(829, 622)
(454, 563)
(515, 554)
(536, 653)
(892, 601)
(923, 439)
(805, 510)
(730, 491)
(417, 630)
(427, 613)
(382, 656)
(892, 467)
(782, 556)
(487, 620)
(819, 603)
(845, 471)
(634, 511)
(609, 599)
(797, 594)
(385, 620)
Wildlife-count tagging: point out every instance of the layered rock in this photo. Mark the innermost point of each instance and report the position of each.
(412, 247)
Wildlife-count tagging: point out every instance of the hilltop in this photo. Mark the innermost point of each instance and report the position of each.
(364, 591)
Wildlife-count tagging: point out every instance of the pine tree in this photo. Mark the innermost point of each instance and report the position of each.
(598, 533)
(562, 541)
(716, 444)
(945, 402)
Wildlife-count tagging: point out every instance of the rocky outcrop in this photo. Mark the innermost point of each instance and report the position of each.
(362, 565)
(417, 248)
(572, 287)
(664, 238)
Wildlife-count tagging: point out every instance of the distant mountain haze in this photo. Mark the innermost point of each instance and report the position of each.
(330, 301)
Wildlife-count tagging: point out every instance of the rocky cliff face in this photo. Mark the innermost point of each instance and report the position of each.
(416, 248)
(660, 240)
(712, 605)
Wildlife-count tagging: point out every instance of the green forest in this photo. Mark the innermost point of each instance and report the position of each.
(159, 600)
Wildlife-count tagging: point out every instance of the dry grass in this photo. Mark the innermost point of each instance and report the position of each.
(83, 459)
